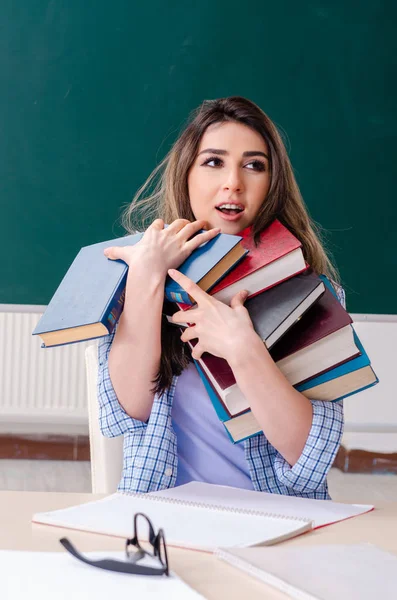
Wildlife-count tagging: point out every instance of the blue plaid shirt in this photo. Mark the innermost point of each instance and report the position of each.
(150, 449)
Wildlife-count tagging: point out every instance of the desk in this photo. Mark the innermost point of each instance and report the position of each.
(210, 576)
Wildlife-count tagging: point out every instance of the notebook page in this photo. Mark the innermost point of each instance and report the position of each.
(346, 572)
(321, 512)
(56, 575)
(189, 526)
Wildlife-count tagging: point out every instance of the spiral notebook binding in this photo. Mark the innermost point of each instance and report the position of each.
(215, 507)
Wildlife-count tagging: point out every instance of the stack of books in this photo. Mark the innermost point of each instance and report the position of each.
(295, 312)
(298, 316)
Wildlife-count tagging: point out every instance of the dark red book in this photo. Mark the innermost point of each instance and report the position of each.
(277, 257)
(322, 339)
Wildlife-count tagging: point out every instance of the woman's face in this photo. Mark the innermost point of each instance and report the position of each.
(230, 177)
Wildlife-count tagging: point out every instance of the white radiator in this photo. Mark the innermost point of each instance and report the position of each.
(41, 389)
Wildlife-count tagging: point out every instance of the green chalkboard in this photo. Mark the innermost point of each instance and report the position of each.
(93, 95)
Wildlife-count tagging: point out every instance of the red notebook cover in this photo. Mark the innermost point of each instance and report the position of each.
(326, 316)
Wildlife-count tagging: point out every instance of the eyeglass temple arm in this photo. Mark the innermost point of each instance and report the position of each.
(108, 563)
(152, 535)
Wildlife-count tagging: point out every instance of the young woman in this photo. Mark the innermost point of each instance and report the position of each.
(228, 170)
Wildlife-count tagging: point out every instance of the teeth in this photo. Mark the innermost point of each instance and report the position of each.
(230, 206)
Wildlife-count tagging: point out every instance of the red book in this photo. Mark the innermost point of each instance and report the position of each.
(322, 339)
(277, 257)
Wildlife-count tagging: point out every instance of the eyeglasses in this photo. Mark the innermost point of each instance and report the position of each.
(133, 556)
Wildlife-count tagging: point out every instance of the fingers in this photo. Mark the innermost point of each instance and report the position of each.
(239, 299)
(197, 352)
(189, 286)
(200, 238)
(157, 224)
(189, 334)
(177, 225)
(116, 252)
(182, 316)
(191, 229)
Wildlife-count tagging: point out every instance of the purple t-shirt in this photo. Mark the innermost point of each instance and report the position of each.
(205, 452)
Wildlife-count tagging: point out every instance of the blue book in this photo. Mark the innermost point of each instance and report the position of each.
(90, 298)
(207, 265)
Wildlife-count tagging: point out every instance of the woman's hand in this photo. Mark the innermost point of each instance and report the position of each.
(162, 248)
(221, 330)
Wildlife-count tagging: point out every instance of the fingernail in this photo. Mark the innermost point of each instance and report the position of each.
(171, 271)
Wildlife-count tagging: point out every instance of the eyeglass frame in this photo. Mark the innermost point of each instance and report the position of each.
(131, 565)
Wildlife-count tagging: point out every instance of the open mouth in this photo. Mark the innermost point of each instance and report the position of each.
(229, 209)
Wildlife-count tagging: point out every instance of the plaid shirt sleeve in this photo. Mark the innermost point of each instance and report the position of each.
(150, 449)
(113, 420)
(322, 444)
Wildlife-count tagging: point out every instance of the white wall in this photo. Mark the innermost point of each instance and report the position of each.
(371, 415)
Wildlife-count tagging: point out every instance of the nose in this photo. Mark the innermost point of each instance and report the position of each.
(233, 181)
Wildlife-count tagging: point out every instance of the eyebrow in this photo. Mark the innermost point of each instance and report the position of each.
(225, 152)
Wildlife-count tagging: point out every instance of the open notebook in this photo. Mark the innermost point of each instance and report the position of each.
(204, 516)
(326, 572)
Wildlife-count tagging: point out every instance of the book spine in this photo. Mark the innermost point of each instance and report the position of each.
(220, 410)
(223, 275)
(178, 295)
(115, 306)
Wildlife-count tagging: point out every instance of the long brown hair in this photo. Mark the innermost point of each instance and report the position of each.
(165, 195)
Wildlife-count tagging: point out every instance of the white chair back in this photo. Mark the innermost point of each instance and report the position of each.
(106, 453)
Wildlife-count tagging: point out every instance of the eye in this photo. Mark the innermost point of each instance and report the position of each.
(258, 165)
(253, 165)
(214, 159)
